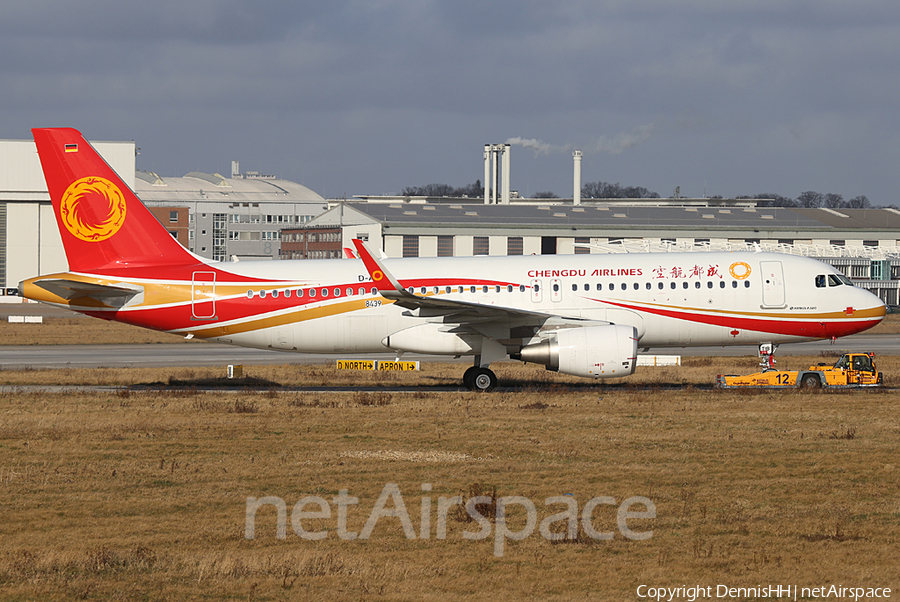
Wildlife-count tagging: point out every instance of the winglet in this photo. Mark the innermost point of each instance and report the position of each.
(387, 285)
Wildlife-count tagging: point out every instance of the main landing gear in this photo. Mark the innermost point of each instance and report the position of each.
(477, 378)
(480, 377)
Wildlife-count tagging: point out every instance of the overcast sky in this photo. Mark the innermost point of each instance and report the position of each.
(366, 97)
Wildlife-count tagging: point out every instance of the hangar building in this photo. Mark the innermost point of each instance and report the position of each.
(862, 243)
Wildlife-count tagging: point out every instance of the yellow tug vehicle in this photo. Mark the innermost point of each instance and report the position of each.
(852, 370)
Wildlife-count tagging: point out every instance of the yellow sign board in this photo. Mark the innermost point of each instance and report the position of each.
(381, 365)
(401, 366)
(356, 364)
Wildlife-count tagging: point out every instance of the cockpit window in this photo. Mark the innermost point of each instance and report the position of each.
(838, 280)
(820, 281)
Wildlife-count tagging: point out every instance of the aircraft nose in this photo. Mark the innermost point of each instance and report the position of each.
(873, 305)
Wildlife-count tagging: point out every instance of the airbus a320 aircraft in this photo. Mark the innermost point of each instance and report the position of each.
(584, 315)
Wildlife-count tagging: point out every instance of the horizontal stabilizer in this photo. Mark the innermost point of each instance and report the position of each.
(115, 296)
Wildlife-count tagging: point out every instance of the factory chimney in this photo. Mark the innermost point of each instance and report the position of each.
(496, 173)
(576, 191)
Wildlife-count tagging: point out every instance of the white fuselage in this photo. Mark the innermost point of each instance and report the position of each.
(671, 299)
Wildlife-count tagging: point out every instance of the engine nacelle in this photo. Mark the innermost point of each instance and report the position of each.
(592, 351)
(433, 339)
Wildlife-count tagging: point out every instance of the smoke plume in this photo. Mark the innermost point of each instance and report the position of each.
(612, 145)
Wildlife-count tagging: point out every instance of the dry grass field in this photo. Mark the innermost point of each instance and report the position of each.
(120, 495)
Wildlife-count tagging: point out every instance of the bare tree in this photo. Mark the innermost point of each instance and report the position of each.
(810, 198)
(834, 201)
(605, 190)
(471, 190)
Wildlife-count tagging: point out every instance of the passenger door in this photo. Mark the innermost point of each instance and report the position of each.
(203, 296)
(773, 284)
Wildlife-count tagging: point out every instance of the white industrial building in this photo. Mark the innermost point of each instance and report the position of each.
(862, 243)
(241, 216)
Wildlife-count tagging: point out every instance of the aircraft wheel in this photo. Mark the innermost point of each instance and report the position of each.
(469, 377)
(810, 382)
(483, 379)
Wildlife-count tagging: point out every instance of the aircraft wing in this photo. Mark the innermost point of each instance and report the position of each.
(464, 311)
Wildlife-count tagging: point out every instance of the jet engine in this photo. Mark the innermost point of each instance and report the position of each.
(590, 351)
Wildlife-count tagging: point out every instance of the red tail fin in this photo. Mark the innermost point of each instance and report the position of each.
(101, 221)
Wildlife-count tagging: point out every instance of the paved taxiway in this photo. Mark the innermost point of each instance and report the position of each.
(213, 354)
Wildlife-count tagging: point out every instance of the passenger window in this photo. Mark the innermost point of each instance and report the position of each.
(374, 291)
(537, 288)
(734, 284)
(574, 287)
(709, 284)
(361, 291)
(521, 288)
(324, 292)
(249, 294)
(484, 289)
(697, 284)
(649, 286)
(423, 289)
(471, 289)
(312, 292)
(636, 286)
(684, 285)
(721, 284)
(461, 289)
(673, 286)
(509, 288)
(262, 294)
(299, 292)
(624, 286)
(287, 293)
(612, 286)
(660, 286)
(555, 288)
(599, 287)
(349, 292)
(746, 284)
(587, 287)
(820, 281)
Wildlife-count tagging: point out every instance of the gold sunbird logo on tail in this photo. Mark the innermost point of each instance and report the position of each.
(93, 209)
